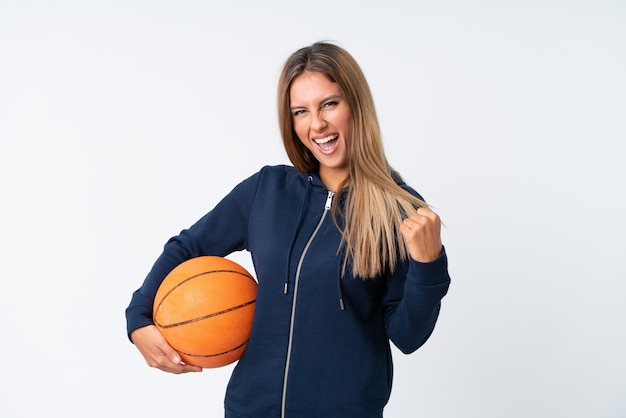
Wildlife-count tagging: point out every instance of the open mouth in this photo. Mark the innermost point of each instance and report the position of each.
(328, 143)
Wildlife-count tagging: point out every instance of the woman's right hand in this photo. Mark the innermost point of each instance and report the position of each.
(158, 353)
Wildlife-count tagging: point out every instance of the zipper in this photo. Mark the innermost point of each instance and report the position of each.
(327, 206)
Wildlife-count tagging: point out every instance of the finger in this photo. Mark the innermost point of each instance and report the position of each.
(180, 366)
(424, 211)
(174, 364)
(407, 226)
(165, 364)
(187, 368)
(415, 222)
(173, 356)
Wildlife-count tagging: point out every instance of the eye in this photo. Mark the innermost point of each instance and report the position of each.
(330, 104)
(298, 112)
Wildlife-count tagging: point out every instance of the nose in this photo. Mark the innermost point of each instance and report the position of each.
(318, 122)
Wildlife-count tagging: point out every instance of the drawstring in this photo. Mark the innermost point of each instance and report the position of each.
(342, 306)
(304, 202)
(339, 287)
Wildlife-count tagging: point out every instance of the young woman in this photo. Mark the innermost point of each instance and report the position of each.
(347, 256)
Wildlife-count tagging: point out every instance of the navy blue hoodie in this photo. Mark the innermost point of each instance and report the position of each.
(320, 342)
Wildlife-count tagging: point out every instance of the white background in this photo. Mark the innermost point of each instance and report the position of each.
(122, 122)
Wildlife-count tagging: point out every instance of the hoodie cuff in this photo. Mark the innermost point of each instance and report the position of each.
(139, 313)
(430, 273)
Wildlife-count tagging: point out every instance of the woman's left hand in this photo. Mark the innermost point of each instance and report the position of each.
(422, 233)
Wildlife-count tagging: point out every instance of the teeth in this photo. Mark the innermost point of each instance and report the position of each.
(326, 139)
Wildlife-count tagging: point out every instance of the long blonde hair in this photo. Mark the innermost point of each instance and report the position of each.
(375, 204)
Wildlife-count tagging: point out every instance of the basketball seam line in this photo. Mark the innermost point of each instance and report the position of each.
(200, 318)
(215, 355)
(202, 274)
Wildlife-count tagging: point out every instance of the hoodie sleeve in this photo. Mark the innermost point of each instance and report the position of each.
(412, 301)
(220, 232)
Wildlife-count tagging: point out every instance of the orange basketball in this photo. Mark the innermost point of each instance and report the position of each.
(204, 308)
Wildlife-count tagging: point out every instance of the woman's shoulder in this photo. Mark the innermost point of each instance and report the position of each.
(275, 182)
(279, 171)
(278, 175)
(268, 171)
(400, 182)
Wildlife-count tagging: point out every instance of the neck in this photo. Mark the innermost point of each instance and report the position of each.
(333, 179)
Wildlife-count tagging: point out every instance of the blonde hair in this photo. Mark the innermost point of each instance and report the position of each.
(375, 203)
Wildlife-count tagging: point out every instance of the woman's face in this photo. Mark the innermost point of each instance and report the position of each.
(323, 122)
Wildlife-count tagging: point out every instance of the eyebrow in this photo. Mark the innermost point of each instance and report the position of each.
(324, 100)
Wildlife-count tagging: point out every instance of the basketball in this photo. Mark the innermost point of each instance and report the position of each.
(204, 308)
